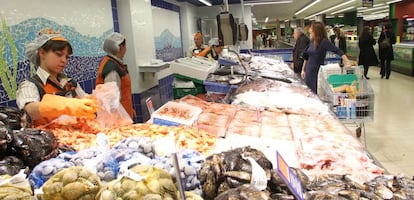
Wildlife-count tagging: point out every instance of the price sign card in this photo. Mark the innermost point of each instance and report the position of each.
(289, 177)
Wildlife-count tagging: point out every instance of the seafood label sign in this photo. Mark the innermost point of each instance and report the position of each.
(289, 177)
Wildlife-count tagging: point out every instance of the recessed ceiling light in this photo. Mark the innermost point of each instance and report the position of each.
(395, 1)
(257, 2)
(343, 10)
(306, 7)
(329, 9)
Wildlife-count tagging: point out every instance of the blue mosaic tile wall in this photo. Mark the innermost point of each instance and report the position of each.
(82, 65)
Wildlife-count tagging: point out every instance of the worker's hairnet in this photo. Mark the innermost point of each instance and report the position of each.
(198, 36)
(214, 42)
(112, 42)
(33, 47)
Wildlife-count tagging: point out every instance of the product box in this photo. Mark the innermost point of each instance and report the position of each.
(176, 114)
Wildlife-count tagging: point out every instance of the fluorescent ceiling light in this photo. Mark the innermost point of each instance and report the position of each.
(345, 9)
(329, 9)
(395, 1)
(330, 16)
(205, 2)
(287, 20)
(377, 8)
(380, 4)
(306, 7)
(255, 3)
(380, 11)
(267, 19)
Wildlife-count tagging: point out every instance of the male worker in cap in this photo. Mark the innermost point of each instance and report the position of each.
(112, 68)
(214, 50)
(197, 47)
(49, 93)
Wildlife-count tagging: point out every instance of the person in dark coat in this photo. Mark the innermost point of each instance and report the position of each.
(302, 43)
(315, 55)
(339, 39)
(367, 56)
(386, 54)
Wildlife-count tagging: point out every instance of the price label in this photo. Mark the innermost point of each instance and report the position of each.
(150, 106)
(289, 177)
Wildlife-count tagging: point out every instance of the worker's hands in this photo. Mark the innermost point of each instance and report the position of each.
(303, 75)
(53, 106)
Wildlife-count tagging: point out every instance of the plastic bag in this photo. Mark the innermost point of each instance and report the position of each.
(112, 113)
(72, 183)
(99, 159)
(140, 144)
(146, 183)
(15, 187)
(189, 163)
(46, 169)
(34, 145)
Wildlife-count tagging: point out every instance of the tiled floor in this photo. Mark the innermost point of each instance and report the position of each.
(390, 138)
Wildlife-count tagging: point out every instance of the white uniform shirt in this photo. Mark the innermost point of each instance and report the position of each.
(28, 92)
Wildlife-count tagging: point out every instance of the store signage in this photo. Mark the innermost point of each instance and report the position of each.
(289, 177)
(150, 106)
(368, 3)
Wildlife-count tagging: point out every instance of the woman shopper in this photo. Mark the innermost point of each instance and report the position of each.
(338, 39)
(386, 51)
(49, 93)
(367, 56)
(315, 55)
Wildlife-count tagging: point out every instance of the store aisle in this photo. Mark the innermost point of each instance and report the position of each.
(390, 137)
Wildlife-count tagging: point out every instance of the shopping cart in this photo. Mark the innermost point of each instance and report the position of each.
(349, 95)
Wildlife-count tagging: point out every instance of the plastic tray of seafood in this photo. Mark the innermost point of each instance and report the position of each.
(176, 114)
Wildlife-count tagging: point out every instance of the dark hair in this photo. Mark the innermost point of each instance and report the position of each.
(388, 26)
(54, 45)
(57, 45)
(123, 42)
(319, 33)
(366, 32)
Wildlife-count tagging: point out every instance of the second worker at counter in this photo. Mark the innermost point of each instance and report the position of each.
(112, 68)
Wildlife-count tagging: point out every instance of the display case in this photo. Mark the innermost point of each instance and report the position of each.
(408, 30)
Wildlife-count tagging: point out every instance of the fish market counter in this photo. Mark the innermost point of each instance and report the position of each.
(209, 150)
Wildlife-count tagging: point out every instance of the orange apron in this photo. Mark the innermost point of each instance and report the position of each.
(52, 88)
(125, 87)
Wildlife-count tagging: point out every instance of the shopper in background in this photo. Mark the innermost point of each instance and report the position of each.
(367, 56)
(302, 43)
(259, 41)
(339, 39)
(315, 55)
(113, 69)
(214, 50)
(264, 38)
(49, 93)
(386, 51)
(198, 45)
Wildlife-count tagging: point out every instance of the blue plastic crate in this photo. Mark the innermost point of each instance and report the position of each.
(165, 122)
(218, 87)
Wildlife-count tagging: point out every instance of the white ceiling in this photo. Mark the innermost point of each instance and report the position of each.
(286, 11)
